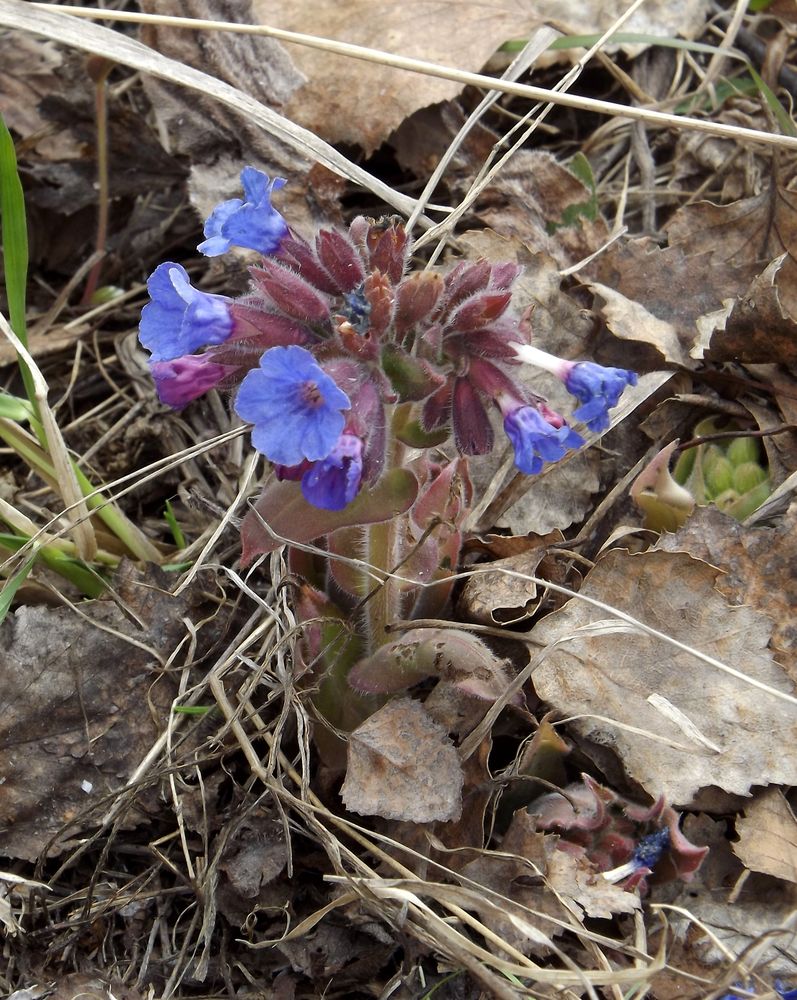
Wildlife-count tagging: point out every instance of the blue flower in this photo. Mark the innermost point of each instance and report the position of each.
(649, 850)
(179, 381)
(180, 318)
(334, 482)
(599, 389)
(535, 440)
(780, 989)
(251, 222)
(294, 405)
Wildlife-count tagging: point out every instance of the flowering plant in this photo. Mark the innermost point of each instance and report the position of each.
(352, 369)
(334, 333)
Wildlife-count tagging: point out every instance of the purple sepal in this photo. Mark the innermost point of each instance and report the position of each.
(334, 482)
(599, 389)
(294, 405)
(181, 380)
(179, 318)
(535, 440)
(251, 222)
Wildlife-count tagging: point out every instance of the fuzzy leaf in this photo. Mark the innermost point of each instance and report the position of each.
(282, 506)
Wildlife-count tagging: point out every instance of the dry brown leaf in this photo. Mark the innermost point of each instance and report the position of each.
(361, 103)
(402, 765)
(768, 836)
(751, 232)
(494, 598)
(581, 885)
(758, 329)
(739, 917)
(636, 281)
(555, 499)
(759, 568)
(519, 878)
(527, 201)
(82, 702)
(613, 673)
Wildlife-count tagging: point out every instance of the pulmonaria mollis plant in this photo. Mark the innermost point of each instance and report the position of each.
(630, 844)
(353, 369)
(340, 354)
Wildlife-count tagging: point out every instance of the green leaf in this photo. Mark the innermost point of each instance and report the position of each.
(15, 246)
(14, 408)
(15, 233)
(177, 532)
(12, 585)
(283, 508)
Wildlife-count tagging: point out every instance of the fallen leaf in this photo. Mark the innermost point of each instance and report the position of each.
(758, 567)
(518, 875)
(636, 278)
(735, 919)
(578, 881)
(556, 498)
(750, 232)
(609, 669)
(768, 836)
(758, 328)
(492, 597)
(255, 853)
(360, 103)
(402, 765)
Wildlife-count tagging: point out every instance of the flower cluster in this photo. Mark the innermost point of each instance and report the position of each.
(628, 843)
(335, 337)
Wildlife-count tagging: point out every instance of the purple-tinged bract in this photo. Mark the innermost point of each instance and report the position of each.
(294, 405)
(251, 221)
(179, 319)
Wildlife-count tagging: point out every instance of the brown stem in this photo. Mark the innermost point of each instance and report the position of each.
(98, 69)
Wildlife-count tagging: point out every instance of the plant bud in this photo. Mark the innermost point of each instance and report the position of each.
(718, 477)
(747, 476)
(743, 449)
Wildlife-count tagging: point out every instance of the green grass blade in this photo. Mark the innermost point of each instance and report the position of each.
(12, 585)
(15, 233)
(15, 245)
(177, 532)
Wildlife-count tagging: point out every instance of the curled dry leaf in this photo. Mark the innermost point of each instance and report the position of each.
(402, 765)
(494, 597)
(768, 836)
(635, 280)
(759, 328)
(608, 669)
